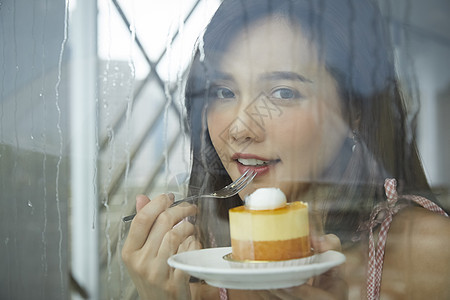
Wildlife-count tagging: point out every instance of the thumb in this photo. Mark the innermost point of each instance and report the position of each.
(326, 242)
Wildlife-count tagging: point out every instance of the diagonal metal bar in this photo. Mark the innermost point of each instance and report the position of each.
(152, 74)
(115, 182)
(137, 40)
(188, 16)
(121, 120)
(194, 7)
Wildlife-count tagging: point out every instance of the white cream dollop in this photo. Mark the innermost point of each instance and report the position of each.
(265, 198)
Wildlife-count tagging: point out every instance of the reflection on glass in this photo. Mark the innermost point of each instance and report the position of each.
(152, 58)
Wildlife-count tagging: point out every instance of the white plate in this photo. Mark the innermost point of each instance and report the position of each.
(209, 265)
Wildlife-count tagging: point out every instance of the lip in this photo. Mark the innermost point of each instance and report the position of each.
(236, 156)
(260, 170)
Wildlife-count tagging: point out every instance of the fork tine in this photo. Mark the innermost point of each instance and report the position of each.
(236, 182)
(228, 191)
(239, 184)
(245, 182)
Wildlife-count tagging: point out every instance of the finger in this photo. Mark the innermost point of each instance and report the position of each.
(164, 223)
(189, 244)
(171, 242)
(174, 237)
(141, 201)
(329, 285)
(144, 220)
(322, 244)
(194, 244)
(325, 243)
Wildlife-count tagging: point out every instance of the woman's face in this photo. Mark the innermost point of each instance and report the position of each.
(275, 109)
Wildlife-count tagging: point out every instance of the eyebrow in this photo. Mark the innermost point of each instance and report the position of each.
(217, 75)
(284, 75)
(276, 75)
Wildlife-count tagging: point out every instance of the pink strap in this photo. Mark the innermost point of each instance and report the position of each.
(389, 208)
(223, 294)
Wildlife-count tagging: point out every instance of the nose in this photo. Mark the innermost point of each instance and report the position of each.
(241, 131)
(244, 130)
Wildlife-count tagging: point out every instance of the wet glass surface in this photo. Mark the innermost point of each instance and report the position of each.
(135, 138)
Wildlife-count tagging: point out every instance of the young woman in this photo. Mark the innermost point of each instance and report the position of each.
(305, 93)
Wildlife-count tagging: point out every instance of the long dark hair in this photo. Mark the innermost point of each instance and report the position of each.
(355, 47)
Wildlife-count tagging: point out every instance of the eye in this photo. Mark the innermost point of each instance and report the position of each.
(285, 94)
(223, 93)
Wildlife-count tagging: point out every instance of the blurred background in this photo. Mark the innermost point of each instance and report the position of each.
(91, 114)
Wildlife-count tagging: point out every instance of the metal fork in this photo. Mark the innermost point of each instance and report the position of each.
(226, 192)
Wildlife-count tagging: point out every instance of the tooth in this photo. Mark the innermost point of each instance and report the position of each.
(251, 162)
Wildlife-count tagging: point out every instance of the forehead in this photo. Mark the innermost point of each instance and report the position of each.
(268, 43)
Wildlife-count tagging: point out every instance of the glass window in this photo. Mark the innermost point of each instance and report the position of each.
(104, 100)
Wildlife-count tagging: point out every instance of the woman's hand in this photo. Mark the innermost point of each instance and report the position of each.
(327, 286)
(156, 233)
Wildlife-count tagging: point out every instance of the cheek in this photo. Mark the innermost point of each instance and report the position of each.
(306, 144)
(297, 133)
(216, 127)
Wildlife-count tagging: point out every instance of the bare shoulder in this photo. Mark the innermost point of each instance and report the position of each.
(426, 234)
(423, 227)
(417, 256)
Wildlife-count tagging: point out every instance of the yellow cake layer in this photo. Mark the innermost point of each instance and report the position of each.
(289, 222)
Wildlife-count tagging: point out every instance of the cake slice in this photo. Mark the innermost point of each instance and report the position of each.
(267, 228)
